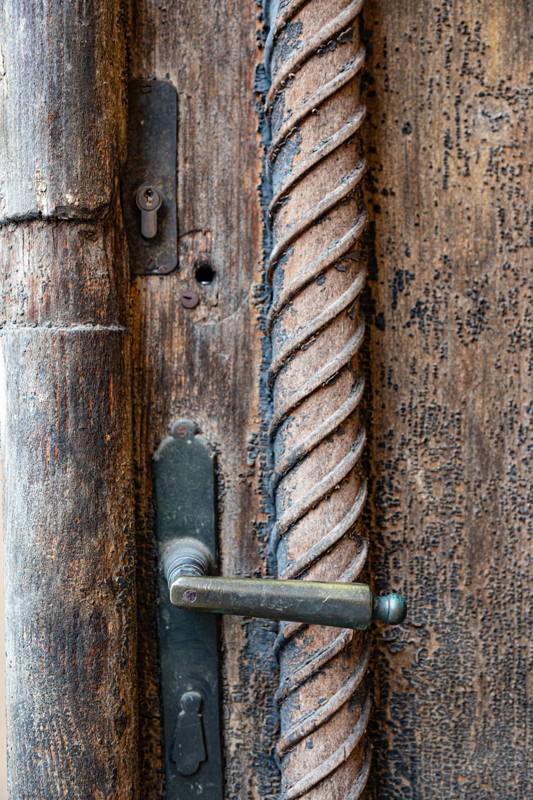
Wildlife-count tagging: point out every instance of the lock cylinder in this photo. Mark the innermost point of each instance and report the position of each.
(149, 201)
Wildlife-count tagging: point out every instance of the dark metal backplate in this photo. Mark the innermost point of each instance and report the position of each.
(152, 142)
(184, 493)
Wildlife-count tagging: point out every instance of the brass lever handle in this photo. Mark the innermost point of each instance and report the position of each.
(187, 563)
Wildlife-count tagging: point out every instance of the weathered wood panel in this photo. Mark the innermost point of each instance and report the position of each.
(450, 155)
(203, 362)
(66, 407)
(69, 552)
(61, 112)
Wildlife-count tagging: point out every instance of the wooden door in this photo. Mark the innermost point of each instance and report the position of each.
(97, 364)
(449, 148)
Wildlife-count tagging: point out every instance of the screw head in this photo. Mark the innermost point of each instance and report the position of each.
(189, 298)
(190, 596)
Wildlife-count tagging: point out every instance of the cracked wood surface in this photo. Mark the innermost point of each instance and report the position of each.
(446, 87)
(68, 521)
(66, 422)
(447, 90)
(448, 141)
(62, 94)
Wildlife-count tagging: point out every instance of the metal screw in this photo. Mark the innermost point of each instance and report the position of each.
(189, 298)
(190, 596)
(180, 431)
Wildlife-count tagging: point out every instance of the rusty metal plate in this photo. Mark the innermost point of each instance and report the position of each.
(152, 142)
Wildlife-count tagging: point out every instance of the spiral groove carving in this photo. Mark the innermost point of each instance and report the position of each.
(317, 272)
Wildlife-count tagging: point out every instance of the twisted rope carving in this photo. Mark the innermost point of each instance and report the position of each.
(317, 275)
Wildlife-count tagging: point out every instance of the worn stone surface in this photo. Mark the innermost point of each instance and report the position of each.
(449, 145)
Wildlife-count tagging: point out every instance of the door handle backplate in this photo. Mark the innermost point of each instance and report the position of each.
(184, 501)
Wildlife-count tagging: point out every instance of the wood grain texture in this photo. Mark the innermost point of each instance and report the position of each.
(449, 145)
(62, 106)
(446, 139)
(68, 527)
(66, 421)
(203, 363)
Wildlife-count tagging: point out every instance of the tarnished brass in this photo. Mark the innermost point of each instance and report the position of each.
(186, 563)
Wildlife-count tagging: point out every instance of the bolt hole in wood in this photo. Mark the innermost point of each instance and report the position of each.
(204, 273)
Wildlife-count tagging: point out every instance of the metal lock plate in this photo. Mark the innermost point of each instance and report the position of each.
(151, 167)
(184, 497)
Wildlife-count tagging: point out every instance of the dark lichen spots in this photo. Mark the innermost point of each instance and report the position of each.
(286, 43)
(447, 448)
(400, 283)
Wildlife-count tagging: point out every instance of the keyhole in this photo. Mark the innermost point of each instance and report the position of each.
(148, 201)
(188, 749)
(204, 273)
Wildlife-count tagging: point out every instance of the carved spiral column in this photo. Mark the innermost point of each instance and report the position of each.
(317, 272)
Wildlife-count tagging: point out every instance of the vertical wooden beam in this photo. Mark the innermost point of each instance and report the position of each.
(66, 397)
(62, 66)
